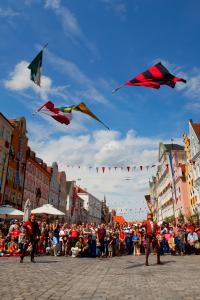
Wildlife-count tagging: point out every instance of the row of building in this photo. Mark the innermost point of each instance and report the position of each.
(24, 176)
(175, 189)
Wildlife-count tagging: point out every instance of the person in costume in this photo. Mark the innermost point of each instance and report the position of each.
(151, 230)
(33, 233)
(2, 243)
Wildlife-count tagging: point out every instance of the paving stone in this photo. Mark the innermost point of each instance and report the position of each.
(118, 278)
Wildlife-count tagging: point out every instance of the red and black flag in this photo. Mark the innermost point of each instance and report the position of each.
(154, 77)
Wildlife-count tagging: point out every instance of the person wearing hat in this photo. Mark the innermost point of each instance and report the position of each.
(33, 233)
(151, 229)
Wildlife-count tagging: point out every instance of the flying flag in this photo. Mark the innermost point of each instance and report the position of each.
(35, 67)
(64, 114)
(60, 116)
(154, 77)
(84, 109)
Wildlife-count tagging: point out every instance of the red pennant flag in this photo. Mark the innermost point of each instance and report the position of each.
(154, 77)
(128, 168)
(103, 169)
(167, 166)
(141, 168)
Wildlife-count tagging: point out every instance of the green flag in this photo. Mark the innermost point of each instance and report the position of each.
(35, 67)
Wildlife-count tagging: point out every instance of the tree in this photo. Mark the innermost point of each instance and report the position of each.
(181, 218)
(170, 219)
(194, 218)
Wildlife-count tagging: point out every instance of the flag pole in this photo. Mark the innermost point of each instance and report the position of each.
(118, 88)
(35, 112)
(45, 46)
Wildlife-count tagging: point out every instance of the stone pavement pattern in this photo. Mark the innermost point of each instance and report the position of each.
(87, 278)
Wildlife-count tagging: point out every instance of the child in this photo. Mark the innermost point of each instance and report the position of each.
(2, 244)
(98, 249)
(136, 244)
(105, 252)
(12, 246)
(53, 244)
(40, 245)
(22, 239)
(110, 247)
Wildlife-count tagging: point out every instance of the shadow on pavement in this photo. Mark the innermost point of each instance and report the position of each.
(164, 262)
(135, 266)
(155, 264)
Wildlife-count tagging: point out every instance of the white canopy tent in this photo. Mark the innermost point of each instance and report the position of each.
(47, 209)
(9, 211)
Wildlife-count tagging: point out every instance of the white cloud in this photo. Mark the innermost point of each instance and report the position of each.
(87, 86)
(104, 148)
(19, 80)
(8, 12)
(192, 88)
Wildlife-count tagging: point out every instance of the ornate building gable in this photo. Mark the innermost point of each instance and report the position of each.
(194, 135)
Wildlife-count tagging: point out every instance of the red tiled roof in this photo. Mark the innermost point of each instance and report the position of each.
(196, 127)
(119, 219)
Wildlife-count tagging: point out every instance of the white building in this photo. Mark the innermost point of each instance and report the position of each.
(54, 185)
(92, 205)
(166, 181)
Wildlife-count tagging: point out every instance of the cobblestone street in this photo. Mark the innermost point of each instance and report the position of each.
(86, 278)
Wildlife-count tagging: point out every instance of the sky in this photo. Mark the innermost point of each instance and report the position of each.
(93, 47)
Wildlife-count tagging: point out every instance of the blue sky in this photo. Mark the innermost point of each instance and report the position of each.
(94, 46)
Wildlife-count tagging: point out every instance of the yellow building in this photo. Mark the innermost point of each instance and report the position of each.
(189, 175)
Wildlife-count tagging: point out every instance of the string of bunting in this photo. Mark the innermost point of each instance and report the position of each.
(103, 169)
(123, 210)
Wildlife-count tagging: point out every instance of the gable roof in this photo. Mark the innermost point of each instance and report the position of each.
(196, 128)
(171, 147)
(163, 148)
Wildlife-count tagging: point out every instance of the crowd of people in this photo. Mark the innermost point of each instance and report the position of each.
(92, 240)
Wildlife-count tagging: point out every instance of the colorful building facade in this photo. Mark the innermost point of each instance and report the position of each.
(37, 181)
(54, 185)
(13, 192)
(5, 144)
(194, 137)
(62, 199)
(170, 187)
(181, 203)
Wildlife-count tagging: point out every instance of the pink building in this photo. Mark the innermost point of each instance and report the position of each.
(181, 203)
(37, 181)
